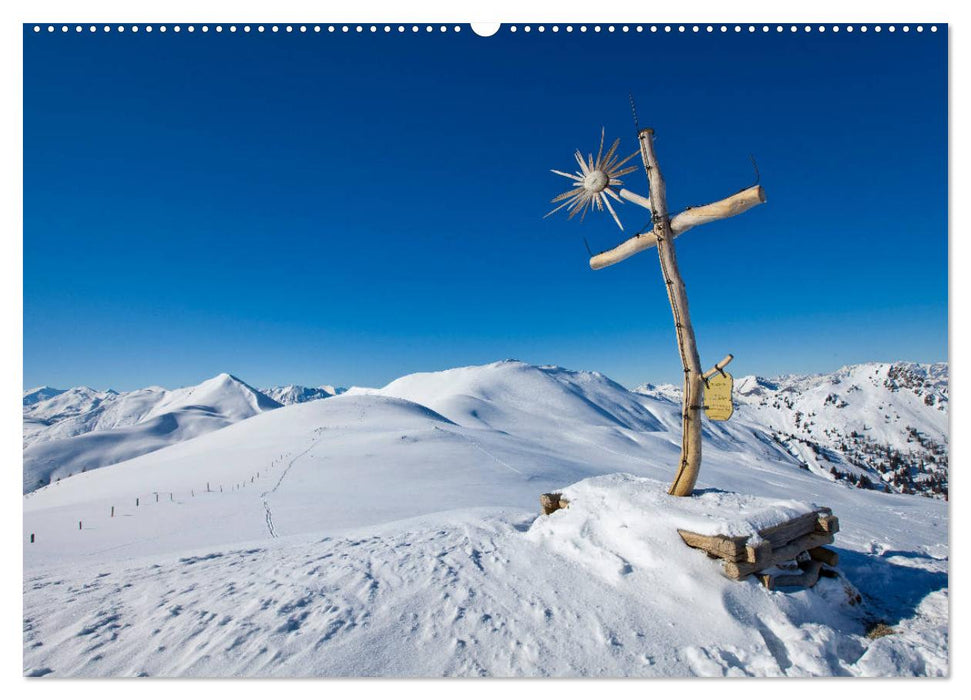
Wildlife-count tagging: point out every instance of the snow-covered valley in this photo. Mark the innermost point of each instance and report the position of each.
(395, 532)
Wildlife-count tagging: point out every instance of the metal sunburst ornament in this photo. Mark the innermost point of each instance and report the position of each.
(592, 183)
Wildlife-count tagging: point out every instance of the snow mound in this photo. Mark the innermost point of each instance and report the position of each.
(604, 588)
(708, 512)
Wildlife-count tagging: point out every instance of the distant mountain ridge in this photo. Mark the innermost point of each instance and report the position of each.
(40, 393)
(875, 425)
(294, 393)
(81, 428)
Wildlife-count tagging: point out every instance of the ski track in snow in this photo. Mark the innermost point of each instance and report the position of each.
(480, 448)
(265, 495)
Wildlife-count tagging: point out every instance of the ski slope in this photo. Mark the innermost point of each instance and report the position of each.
(394, 532)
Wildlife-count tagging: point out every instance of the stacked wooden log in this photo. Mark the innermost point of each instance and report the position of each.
(552, 502)
(799, 543)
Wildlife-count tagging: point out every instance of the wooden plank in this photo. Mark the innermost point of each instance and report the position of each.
(758, 553)
(732, 548)
(722, 364)
(551, 502)
(736, 548)
(807, 578)
(739, 570)
(790, 530)
(828, 523)
(825, 555)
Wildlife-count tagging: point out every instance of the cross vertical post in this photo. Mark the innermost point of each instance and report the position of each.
(692, 397)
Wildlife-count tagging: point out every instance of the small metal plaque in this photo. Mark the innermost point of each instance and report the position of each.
(718, 397)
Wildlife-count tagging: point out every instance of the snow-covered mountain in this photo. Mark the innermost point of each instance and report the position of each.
(83, 429)
(294, 393)
(661, 391)
(69, 406)
(394, 532)
(40, 393)
(874, 425)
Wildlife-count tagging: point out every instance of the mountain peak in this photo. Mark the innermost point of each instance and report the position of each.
(40, 393)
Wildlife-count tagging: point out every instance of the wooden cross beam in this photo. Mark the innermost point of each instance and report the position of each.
(592, 186)
(686, 220)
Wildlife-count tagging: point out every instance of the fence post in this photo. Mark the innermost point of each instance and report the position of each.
(79, 525)
(32, 538)
(112, 511)
(136, 501)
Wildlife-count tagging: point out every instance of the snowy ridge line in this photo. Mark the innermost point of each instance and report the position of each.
(480, 448)
(265, 494)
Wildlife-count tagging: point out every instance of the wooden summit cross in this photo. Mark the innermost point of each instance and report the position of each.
(591, 188)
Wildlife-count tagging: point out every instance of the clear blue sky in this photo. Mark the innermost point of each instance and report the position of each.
(329, 208)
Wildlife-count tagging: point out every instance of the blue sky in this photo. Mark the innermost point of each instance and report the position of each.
(330, 208)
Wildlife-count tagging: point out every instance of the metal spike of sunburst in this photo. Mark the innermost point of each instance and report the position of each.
(593, 181)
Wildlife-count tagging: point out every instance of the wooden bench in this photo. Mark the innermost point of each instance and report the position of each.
(802, 538)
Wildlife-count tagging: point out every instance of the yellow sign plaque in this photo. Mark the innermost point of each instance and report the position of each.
(718, 397)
